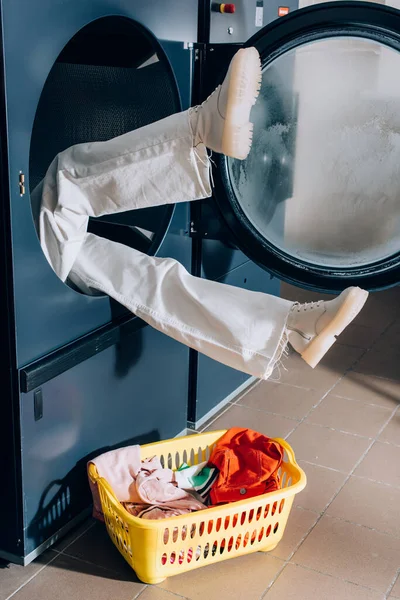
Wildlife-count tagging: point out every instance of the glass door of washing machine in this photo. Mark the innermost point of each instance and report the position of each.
(317, 201)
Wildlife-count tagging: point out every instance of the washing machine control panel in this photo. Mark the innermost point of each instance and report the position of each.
(236, 23)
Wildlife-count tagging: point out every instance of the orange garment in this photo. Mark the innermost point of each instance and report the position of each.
(247, 462)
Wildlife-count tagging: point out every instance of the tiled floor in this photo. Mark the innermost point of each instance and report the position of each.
(343, 537)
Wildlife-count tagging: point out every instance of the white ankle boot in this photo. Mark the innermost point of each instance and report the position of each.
(222, 123)
(312, 327)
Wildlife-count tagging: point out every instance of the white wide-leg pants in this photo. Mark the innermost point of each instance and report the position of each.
(157, 164)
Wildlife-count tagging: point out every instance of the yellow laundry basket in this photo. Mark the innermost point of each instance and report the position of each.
(160, 548)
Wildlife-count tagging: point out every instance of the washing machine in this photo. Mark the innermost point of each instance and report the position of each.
(80, 374)
(317, 201)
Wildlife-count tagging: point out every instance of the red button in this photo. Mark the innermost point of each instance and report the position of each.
(227, 8)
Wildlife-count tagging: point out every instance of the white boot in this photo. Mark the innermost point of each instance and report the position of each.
(222, 123)
(312, 327)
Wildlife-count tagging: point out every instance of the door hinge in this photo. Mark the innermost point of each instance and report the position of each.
(21, 183)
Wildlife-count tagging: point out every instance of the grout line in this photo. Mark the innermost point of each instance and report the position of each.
(393, 487)
(392, 584)
(276, 576)
(214, 418)
(360, 585)
(172, 594)
(323, 512)
(90, 525)
(267, 412)
(309, 462)
(363, 401)
(391, 535)
(246, 391)
(141, 592)
(33, 576)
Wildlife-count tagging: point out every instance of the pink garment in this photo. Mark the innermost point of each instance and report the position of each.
(141, 485)
(166, 510)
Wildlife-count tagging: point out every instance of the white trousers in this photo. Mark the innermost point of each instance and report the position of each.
(157, 164)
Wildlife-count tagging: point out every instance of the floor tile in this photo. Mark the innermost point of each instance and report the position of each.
(327, 447)
(281, 399)
(96, 547)
(389, 340)
(368, 503)
(351, 552)
(237, 579)
(391, 433)
(241, 416)
(67, 578)
(380, 310)
(369, 389)
(156, 593)
(396, 589)
(359, 336)
(322, 485)
(381, 464)
(299, 524)
(332, 367)
(380, 363)
(73, 535)
(13, 576)
(298, 583)
(353, 416)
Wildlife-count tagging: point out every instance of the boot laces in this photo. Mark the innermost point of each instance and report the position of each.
(307, 306)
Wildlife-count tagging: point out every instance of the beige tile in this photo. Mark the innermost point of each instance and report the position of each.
(322, 485)
(281, 399)
(242, 416)
(236, 579)
(395, 593)
(332, 367)
(96, 547)
(391, 433)
(351, 552)
(368, 503)
(359, 336)
(13, 576)
(381, 464)
(350, 415)
(327, 447)
(67, 578)
(299, 524)
(380, 363)
(156, 593)
(389, 340)
(298, 583)
(380, 310)
(369, 389)
(73, 535)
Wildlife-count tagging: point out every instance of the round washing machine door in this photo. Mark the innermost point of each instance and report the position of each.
(112, 77)
(317, 201)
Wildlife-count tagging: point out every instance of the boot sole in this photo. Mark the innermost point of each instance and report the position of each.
(244, 87)
(344, 316)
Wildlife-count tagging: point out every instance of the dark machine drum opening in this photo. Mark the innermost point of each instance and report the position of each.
(112, 77)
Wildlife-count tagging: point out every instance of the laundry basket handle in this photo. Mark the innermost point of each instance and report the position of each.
(93, 474)
(288, 448)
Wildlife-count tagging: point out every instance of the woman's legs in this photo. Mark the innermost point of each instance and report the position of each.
(242, 329)
(153, 165)
(167, 162)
